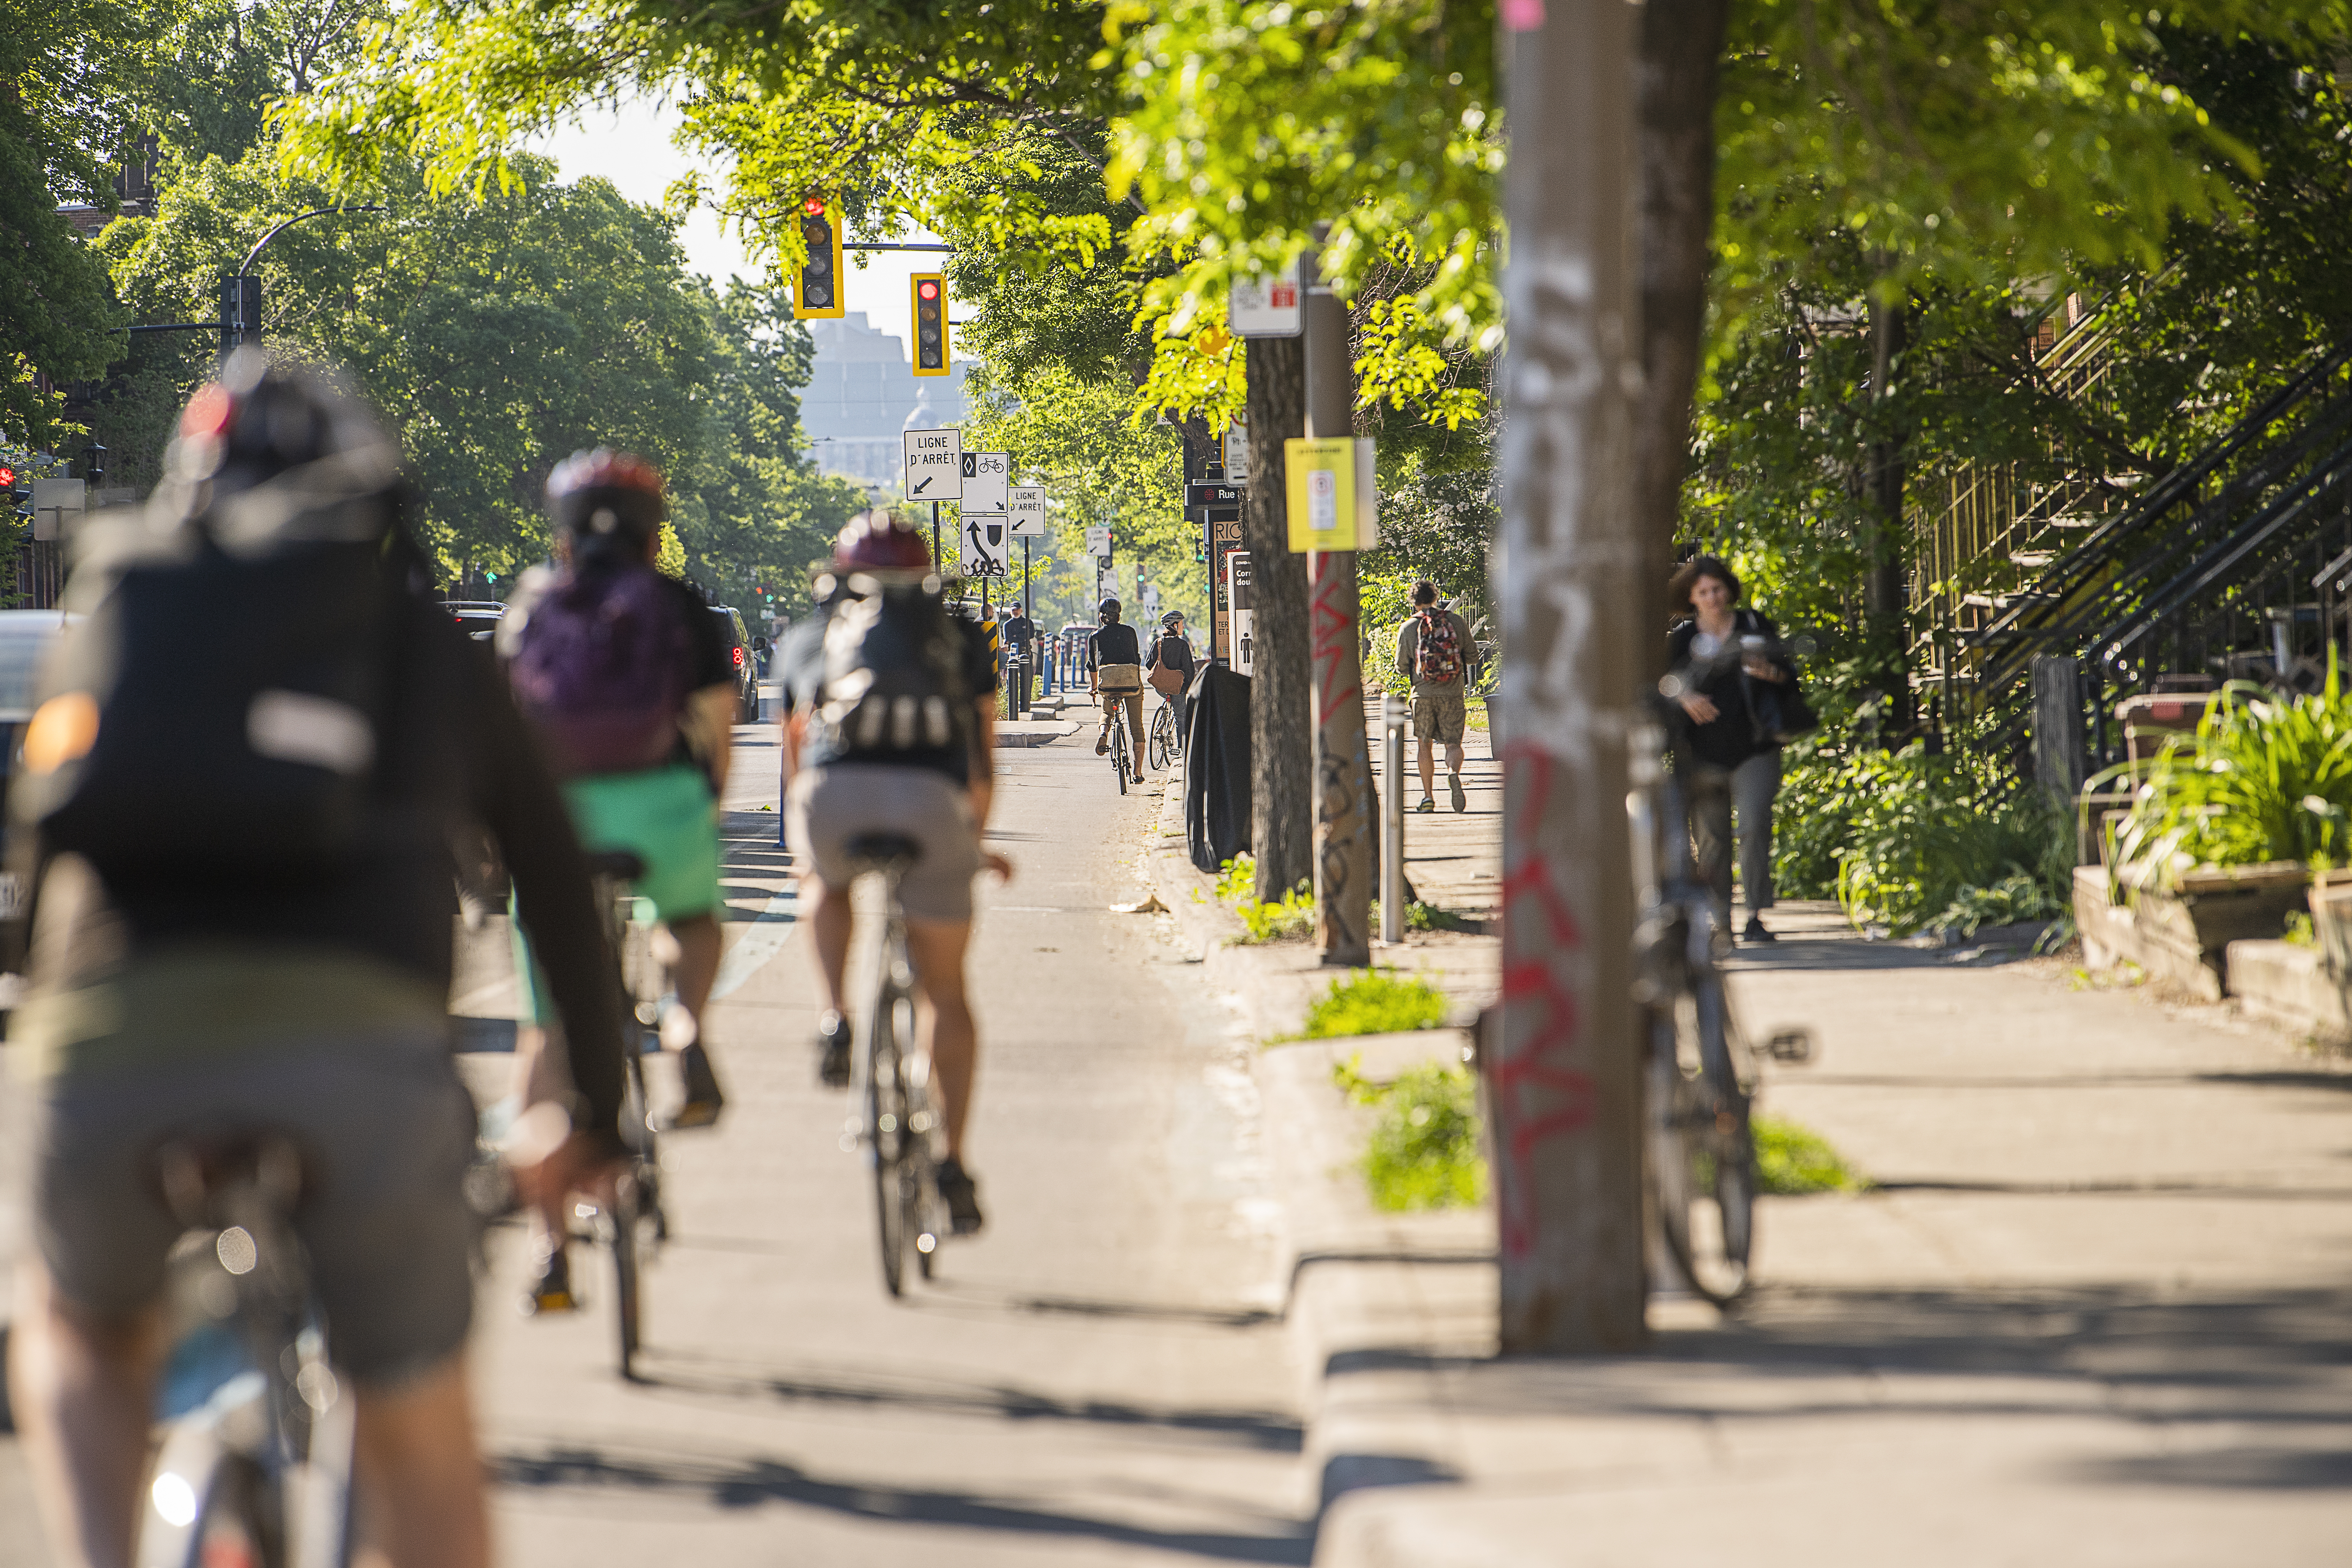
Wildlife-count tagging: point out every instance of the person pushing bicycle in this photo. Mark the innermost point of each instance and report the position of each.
(893, 731)
(1115, 675)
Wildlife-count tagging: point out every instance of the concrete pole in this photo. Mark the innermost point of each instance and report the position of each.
(1343, 764)
(1564, 1072)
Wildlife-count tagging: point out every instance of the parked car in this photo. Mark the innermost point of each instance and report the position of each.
(24, 639)
(477, 619)
(747, 678)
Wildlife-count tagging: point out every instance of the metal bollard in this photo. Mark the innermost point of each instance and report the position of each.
(1394, 713)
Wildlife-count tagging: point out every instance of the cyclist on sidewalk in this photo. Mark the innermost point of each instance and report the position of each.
(1434, 651)
(628, 680)
(234, 812)
(1115, 675)
(893, 730)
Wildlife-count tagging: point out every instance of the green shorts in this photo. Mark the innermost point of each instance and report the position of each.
(662, 816)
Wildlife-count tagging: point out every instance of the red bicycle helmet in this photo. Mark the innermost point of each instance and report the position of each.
(606, 494)
(877, 541)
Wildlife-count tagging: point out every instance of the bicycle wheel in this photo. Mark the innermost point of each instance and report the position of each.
(885, 1124)
(1701, 1154)
(627, 1275)
(1162, 730)
(1118, 759)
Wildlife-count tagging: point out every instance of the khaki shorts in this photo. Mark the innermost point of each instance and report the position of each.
(830, 805)
(1440, 714)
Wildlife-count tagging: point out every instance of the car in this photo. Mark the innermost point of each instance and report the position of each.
(24, 639)
(747, 678)
(477, 619)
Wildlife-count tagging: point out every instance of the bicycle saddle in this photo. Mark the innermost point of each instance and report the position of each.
(885, 850)
(621, 865)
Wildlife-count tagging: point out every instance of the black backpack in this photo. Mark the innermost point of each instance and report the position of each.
(893, 674)
(237, 665)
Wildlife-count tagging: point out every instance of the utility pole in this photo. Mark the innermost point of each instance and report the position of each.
(1343, 769)
(1563, 1062)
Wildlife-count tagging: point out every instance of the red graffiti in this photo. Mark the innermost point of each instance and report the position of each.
(1331, 629)
(1537, 1095)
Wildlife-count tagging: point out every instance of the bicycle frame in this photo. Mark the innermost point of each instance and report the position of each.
(894, 1087)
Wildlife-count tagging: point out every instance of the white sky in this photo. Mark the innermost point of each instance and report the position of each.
(633, 148)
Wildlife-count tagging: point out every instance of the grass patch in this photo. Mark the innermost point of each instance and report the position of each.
(1290, 918)
(1419, 915)
(1374, 1002)
(1424, 1152)
(1790, 1160)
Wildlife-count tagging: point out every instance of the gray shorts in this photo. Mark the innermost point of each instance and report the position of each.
(833, 804)
(386, 1131)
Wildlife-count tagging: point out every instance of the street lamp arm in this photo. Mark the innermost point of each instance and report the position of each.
(253, 255)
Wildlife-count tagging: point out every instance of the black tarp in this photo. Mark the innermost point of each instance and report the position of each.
(1217, 768)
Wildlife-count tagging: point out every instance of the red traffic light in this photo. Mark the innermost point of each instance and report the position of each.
(7, 475)
(928, 289)
(813, 205)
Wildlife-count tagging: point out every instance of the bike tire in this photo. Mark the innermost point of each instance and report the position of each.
(242, 1523)
(628, 1263)
(1118, 754)
(886, 1118)
(1158, 752)
(1701, 1148)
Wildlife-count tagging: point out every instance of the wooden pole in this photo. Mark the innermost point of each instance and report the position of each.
(1343, 764)
(1564, 1067)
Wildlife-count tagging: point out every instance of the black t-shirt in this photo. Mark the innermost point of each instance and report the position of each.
(1730, 738)
(800, 661)
(1113, 644)
(1018, 630)
(1174, 652)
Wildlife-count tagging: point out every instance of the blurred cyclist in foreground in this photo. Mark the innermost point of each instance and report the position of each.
(626, 678)
(880, 644)
(234, 811)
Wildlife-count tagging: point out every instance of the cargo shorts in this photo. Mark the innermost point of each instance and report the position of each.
(1440, 711)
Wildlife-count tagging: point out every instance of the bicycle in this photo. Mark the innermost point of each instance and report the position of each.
(1700, 1069)
(900, 1119)
(1121, 758)
(1163, 747)
(634, 1224)
(257, 1471)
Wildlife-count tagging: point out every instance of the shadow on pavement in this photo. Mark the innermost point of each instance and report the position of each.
(751, 1483)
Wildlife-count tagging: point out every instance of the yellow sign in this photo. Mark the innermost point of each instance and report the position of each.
(1334, 498)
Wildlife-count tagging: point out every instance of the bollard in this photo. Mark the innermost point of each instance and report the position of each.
(1394, 713)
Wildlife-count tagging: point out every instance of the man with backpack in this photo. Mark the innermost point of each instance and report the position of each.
(893, 730)
(255, 746)
(629, 682)
(1434, 651)
(1115, 675)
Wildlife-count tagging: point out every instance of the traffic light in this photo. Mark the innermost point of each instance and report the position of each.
(18, 489)
(930, 323)
(819, 293)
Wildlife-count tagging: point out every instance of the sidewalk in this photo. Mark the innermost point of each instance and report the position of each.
(2095, 1310)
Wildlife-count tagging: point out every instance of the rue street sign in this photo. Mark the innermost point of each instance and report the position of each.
(1212, 494)
(981, 535)
(1265, 307)
(1027, 505)
(934, 465)
(985, 476)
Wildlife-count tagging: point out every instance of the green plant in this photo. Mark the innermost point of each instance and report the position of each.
(2298, 929)
(1419, 915)
(1423, 1151)
(1791, 1159)
(2013, 899)
(1287, 917)
(1374, 1002)
(1237, 877)
(2261, 780)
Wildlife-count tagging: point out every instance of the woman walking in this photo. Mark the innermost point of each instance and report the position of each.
(1728, 661)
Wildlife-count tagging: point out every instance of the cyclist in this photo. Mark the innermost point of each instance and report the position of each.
(879, 645)
(281, 966)
(627, 679)
(1115, 675)
(1434, 651)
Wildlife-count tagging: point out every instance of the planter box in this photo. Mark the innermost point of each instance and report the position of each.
(2290, 984)
(2183, 934)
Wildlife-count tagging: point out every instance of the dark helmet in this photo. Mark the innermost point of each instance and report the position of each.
(1171, 618)
(876, 541)
(263, 418)
(1107, 610)
(607, 498)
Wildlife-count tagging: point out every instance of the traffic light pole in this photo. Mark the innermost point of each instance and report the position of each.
(1562, 1060)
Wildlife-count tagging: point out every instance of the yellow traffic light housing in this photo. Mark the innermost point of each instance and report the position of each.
(930, 291)
(819, 293)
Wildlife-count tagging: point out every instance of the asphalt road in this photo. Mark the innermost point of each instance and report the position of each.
(1098, 1378)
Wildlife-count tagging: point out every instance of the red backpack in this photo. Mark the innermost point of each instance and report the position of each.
(1439, 656)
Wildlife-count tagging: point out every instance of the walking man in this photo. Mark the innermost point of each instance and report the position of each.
(1434, 651)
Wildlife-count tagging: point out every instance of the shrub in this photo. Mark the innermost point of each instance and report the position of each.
(1374, 1002)
(1791, 1160)
(1287, 918)
(1424, 1152)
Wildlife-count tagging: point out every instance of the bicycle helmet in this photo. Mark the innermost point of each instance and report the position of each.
(263, 418)
(1109, 611)
(606, 495)
(877, 542)
(1168, 621)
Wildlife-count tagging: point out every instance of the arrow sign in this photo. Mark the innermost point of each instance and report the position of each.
(934, 464)
(1027, 505)
(982, 544)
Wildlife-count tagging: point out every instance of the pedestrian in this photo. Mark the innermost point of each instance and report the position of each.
(1435, 653)
(1728, 757)
(1020, 635)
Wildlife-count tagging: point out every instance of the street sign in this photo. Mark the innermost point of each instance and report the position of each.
(1242, 611)
(934, 464)
(54, 501)
(1098, 542)
(1151, 603)
(1026, 506)
(980, 537)
(1265, 307)
(1107, 585)
(1334, 502)
(1237, 454)
(1212, 494)
(985, 476)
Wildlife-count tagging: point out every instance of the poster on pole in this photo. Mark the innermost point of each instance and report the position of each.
(1265, 305)
(985, 476)
(934, 464)
(1237, 455)
(1243, 613)
(980, 536)
(1334, 497)
(1026, 505)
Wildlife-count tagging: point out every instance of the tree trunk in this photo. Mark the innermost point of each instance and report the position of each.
(1282, 799)
(1681, 45)
(1886, 588)
(1563, 1066)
